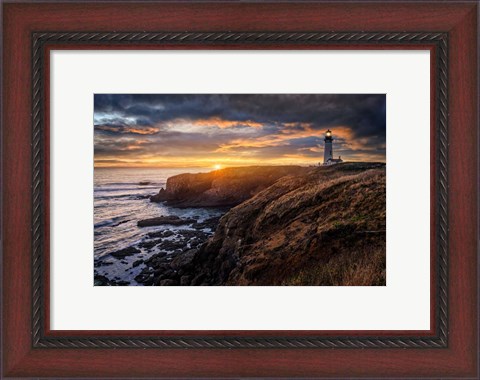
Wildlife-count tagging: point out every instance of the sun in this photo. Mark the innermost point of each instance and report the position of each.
(217, 166)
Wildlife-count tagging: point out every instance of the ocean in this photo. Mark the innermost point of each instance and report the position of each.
(121, 199)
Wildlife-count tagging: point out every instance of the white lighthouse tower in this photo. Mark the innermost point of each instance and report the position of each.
(328, 150)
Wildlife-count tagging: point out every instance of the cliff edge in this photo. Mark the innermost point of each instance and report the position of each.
(221, 188)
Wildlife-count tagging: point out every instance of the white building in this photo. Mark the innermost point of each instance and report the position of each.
(328, 152)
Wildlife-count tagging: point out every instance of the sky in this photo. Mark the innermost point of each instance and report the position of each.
(224, 130)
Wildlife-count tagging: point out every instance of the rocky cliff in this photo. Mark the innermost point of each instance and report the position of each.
(312, 226)
(225, 187)
(323, 226)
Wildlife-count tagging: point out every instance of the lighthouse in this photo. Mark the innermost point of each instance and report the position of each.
(328, 150)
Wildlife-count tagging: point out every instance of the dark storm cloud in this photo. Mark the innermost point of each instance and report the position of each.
(290, 123)
(365, 114)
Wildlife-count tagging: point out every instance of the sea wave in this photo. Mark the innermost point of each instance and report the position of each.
(130, 188)
(109, 222)
(133, 183)
(121, 196)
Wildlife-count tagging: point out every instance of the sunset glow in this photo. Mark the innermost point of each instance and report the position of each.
(171, 131)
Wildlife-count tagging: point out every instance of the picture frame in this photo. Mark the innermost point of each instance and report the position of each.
(31, 30)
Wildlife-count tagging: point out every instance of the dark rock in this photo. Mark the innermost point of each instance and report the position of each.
(183, 260)
(160, 197)
(161, 234)
(137, 263)
(168, 282)
(171, 245)
(172, 220)
(197, 280)
(157, 260)
(185, 280)
(100, 280)
(195, 243)
(189, 234)
(142, 197)
(160, 273)
(119, 223)
(103, 264)
(157, 279)
(210, 223)
(149, 281)
(144, 278)
(166, 272)
(122, 253)
(149, 244)
(144, 183)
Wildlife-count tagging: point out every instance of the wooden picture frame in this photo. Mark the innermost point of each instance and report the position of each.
(31, 349)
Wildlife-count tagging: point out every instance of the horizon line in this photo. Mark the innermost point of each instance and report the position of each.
(223, 166)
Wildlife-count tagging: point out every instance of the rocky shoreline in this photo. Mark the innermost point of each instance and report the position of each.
(159, 256)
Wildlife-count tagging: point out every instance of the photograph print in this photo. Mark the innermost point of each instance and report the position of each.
(239, 189)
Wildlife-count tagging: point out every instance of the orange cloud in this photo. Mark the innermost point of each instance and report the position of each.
(223, 124)
(285, 135)
(125, 130)
(142, 131)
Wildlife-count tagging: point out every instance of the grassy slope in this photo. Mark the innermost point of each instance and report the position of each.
(326, 227)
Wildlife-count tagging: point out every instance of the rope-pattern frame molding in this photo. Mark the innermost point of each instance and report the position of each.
(316, 40)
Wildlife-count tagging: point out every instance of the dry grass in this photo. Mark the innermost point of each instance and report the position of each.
(365, 268)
